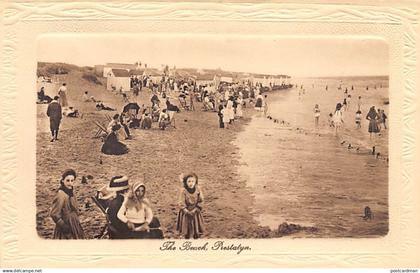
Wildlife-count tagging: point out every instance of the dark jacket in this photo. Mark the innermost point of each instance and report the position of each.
(54, 111)
(118, 229)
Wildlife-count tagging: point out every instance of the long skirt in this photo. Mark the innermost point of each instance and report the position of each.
(63, 99)
(190, 225)
(239, 111)
(258, 103)
(373, 126)
(75, 229)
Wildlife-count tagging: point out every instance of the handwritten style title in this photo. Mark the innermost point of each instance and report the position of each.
(206, 246)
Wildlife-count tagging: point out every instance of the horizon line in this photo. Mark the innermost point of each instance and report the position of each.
(292, 76)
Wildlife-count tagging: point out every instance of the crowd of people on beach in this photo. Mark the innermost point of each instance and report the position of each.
(227, 100)
(129, 212)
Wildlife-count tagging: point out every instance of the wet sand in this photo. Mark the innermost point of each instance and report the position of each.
(309, 176)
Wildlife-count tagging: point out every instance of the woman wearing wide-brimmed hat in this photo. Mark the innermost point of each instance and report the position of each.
(65, 210)
(118, 186)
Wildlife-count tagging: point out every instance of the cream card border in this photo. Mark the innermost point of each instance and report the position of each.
(24, 22)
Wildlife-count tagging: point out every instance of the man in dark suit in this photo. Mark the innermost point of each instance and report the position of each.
(54, 112)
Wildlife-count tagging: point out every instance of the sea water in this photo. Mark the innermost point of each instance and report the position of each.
(305, 175)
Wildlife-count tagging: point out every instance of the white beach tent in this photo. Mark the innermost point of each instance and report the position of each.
(118, 78)
(106, 71)
(226, 79)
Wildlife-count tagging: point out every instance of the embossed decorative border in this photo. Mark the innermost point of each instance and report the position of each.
(14, 13)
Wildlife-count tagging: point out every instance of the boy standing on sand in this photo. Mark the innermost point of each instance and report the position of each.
(54, 112)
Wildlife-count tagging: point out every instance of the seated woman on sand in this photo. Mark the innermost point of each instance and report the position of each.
(136, 212)
(155, 113)
(42, 98)
(164, 120)
(146, 120)
(111, 145)
(71, 112)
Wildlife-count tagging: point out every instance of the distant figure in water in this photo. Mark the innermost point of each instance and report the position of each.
(317, 113)
(111, 145)
(358, 119)
(326, 88)
(383, 118)
(359, 103)
(352, 87)
(345, 104)
(372, 116)
(338, 118)
(265, 106)
(330, 120)
(367, 88)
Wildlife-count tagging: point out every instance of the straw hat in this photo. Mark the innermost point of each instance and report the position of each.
(118, 183)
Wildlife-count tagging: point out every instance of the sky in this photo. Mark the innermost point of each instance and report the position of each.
(294, 56)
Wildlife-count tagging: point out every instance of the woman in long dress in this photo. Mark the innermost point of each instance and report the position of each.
(111, 145)
(239, 102)
(63, 96)
(230, 110)
(65, 210)
(373, 117)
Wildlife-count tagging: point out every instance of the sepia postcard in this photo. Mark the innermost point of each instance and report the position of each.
(210, 134)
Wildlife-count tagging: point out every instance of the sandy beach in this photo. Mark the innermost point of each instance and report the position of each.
(228, 164)
(197, 144)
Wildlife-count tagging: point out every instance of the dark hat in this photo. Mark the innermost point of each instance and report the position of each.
(116, 127)
(68, 172)
(118, 183)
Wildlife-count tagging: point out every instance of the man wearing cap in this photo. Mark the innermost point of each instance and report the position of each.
(117, 229)
(54, 112)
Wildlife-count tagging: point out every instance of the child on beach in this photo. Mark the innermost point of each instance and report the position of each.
(220, 114)
(330, 121)
(338, 118)
(358, 119)
(383, 118)
(225, 117)
(65, 210)
(190, 222)
(317, 113)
